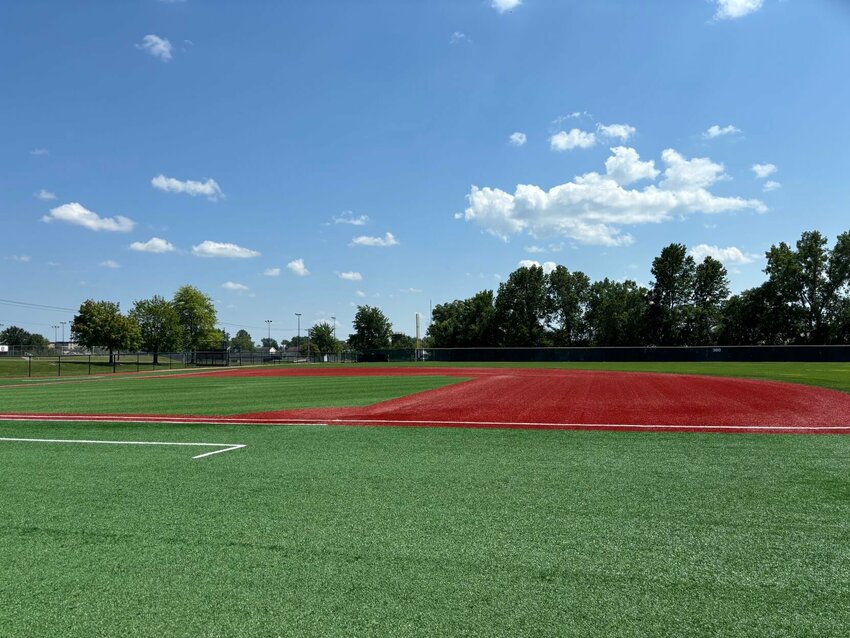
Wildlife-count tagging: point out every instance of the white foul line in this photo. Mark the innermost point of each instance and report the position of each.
(227, 447)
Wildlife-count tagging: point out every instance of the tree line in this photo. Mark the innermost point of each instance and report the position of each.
(804, 300)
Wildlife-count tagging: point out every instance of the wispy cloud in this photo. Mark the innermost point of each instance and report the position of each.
(360, 293)
(153, 245)
(24, 259)
(210, 188)
(365, 240)
(718, 131)
(156, 46)
(39, 151)
(348, 217)
(503, 6)
(110, 263)
(297, 266)
(223, 249)
(78, 215)
(45, 195)
(771, 185)
(272, 272)
(459, 37)
(351, 276)
(233, 286)
(518, 138)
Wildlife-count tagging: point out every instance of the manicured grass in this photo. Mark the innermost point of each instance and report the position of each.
(46, 366)
(210, 395)
(392, 531)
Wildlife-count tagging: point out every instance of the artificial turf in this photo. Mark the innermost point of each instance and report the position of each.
(209, 395)
(392, 531)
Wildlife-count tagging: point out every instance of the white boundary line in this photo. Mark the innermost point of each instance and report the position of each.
(227, 447)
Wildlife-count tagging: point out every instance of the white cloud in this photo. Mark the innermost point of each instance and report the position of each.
(459, 37)
(77, 214)
(351, 276)
(223, 249)
(505, 5)
(771, 185)
(272, 272)
(153, 245)
(593, 208)
(621, 132)
(730, 255)
(518, 138)
(364, 240)
(348, 217)
(39, 151)
(232, 286)
(625, 167)
(575, 138)
(210, 189)
(717, 131)
(156, 46)
(411, 290)
(763, 171)
(731, 9)
(360, 293)
(535, 249)
(109, 263)
(45, 195)
(24, 259)
(548, 266)
(297, 266)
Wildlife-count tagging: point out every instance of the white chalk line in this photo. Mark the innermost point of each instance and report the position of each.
(226, 447)
(402, 422)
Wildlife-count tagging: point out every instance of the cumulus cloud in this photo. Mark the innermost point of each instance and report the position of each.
(351, 276)
(594, 208)
(45, 195)
(732, 9)
(730, 255)
(223, 249)
(158, 47)
(79, 215)
(505, 5)
(272, 272)
(110, 263)
(518, 138)
(210, 189)
(365, 240)
(232, 286)
(771, 185)
(297, 266)
(764, 171)
(625, 166)
(548, 266)
(575, 138)
(621, 132)
(348, 217)
(153, 245)
(717, 131)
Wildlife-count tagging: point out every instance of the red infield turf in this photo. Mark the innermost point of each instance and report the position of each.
(567, 399)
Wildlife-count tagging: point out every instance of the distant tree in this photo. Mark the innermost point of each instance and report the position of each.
(243, 342)
(15, 336)
(159, 325)
(321, 337)
(197, 319)
(568, 295)
(672, 294)
(269, 343)
(758, 316)
(297, 342)
(711, 290)
(401, 341)
(38, 341)
(463, 323)
(372, 329)
(521, 308)
(617, 313)
(100, 324)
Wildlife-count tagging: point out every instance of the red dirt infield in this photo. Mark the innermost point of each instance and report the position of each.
(529, 398)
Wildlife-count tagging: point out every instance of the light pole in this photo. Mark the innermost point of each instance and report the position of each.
(63, 333)
(298, 314)
(269, 342)
(334, 320)
(55, 335)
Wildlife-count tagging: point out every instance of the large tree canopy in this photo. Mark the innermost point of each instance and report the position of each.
(159, 325)
(100, 324)
(372, 329)
(197, 319)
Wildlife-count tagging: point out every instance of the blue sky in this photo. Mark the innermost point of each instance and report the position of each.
(147, 144)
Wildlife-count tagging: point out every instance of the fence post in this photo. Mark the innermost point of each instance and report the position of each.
(59, 367)
(89, 363)
(114, 361)
(29, 372)
(137, 362)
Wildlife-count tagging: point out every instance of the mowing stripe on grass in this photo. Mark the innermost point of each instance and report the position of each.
(225, 447)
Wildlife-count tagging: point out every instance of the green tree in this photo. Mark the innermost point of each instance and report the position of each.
(758, 316)
(711, 290)
(159, 325)
(568, 295)
(197, 319)
(266, 342)
(15, 336)
(401, 341)
(463, 323)
(617, 313)
(672, 294)
(372, 329)
(521, 308)
(243, 342)
(100, 324)
(321, 338)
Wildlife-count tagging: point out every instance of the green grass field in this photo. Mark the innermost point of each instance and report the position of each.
(369, 531)
(70, 366)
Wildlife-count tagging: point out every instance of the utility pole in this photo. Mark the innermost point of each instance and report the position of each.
(55, 335)
(298, 314)
(63, 333)
(334, 320)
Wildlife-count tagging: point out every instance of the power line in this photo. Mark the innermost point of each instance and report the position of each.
(34, 306)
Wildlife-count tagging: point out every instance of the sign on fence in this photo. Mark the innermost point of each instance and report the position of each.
(4, 348)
